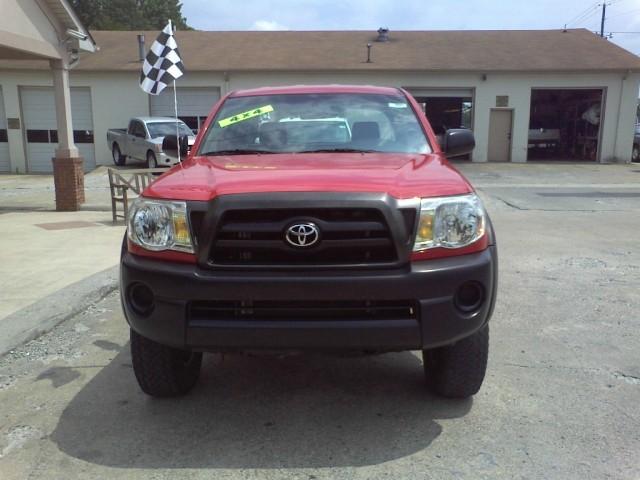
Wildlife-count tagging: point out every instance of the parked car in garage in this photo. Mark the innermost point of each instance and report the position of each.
(544, 138)
(635, 153)
(142, 140)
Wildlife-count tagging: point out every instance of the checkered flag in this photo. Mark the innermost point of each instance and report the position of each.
(162, 64)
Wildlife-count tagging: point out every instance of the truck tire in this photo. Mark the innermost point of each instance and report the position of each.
(635, 153)
(457, 371)
(151, 160)
(118, 158)
(163, 371)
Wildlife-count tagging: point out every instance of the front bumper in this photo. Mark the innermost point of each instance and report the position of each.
(165, 160)
(430, 285)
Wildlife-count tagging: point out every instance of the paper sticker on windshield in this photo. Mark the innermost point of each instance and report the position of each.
(397, 105)
(225, 122)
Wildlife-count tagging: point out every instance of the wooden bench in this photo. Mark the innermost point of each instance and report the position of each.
(128, 184)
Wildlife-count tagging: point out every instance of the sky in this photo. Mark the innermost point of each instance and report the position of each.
(621, 15)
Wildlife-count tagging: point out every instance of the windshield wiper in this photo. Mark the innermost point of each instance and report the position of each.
(339, 150)
(237, 151)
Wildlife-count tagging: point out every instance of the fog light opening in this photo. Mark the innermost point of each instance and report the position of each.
(141, 299)
(469, 297)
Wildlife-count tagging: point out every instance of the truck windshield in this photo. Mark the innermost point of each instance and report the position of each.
(161, 129)
(315, 123)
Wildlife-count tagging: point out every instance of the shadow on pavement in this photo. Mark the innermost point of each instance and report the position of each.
(305, 411)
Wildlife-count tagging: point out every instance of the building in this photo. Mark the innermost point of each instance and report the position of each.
(48, 33)
(557, 94)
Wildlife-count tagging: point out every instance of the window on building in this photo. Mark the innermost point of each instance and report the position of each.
(3, 135)
(38, 136)
(83, 136)
(51, 136)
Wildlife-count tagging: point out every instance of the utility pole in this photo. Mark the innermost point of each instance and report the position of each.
(604, 9)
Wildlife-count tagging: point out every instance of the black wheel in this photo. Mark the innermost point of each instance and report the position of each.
(151, 160)
(457, 371)
(635, 154)
(118, 158)
(163, 371)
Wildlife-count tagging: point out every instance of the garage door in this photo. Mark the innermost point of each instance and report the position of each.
(194, 104)
(4, 146)
(39, 115)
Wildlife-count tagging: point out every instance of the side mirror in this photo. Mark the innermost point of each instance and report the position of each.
(171, 143)
(458, 141)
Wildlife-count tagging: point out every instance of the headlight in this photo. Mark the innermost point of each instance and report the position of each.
(449, 222)
(159, 225)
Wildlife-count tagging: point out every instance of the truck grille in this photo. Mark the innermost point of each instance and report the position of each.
(301, 310)
(352, 236)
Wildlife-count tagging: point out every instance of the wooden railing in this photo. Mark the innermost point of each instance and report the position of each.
(128, 184)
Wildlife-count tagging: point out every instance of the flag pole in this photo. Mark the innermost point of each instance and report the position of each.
(175, 109)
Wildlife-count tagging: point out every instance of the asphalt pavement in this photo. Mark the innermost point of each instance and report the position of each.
(560, 400)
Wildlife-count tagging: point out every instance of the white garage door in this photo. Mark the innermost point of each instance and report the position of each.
(194, 104)
(4, 146)
(39, 116)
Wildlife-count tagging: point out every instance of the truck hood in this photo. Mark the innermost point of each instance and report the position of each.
(400, 175)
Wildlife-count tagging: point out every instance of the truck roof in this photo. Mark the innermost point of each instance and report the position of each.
(301, 89)
(156, 119)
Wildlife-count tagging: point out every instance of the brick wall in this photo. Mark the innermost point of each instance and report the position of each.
(68, 176)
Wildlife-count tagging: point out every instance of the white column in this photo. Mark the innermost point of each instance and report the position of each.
(482, 103)
(66, 147)
(625, 122)
(11, 93)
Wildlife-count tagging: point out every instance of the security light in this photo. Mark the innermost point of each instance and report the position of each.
(77, 34)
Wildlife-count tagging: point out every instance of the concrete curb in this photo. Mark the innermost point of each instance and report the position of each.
(43, 315)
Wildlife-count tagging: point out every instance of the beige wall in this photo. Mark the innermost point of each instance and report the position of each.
(26, 27)
(116, 97)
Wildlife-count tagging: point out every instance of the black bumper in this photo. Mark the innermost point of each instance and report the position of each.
(429, 285)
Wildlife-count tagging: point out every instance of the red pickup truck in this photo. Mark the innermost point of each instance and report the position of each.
(311, 218)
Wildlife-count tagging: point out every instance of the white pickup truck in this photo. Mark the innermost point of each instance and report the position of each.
(142, 141)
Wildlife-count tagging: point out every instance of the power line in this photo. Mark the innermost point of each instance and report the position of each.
(586, 14)
(624, 13)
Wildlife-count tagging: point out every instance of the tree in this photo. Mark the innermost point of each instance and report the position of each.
(130, 14)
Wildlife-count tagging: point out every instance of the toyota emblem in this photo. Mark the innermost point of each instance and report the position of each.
(303, 234)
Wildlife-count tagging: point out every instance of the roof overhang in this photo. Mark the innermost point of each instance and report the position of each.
(69, 21)
(20, 47)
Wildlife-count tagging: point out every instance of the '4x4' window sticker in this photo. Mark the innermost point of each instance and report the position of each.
(240, 117)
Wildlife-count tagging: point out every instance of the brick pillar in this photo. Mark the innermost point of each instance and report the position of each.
(68, 176)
